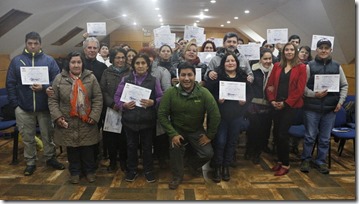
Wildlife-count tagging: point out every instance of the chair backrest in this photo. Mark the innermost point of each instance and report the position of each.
(340, 118)
(299, 117)
(3, 102)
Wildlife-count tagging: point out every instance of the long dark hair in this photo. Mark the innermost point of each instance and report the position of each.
(222, 69)
(283, 61)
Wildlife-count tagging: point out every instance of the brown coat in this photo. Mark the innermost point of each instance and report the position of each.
(78, 133)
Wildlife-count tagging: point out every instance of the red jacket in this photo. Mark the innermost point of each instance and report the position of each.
(297, 82)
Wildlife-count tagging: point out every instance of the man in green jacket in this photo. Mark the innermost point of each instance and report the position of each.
(181, 113)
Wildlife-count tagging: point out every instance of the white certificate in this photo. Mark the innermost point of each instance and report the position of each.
(275, 36)
(250, 51)
(192, 32)
(165, 39)
(230, 90)
(329, 82)
(135, 93)
(96, 28)
(112, 121)
(316, 38)
(205, 57)
(34, 75)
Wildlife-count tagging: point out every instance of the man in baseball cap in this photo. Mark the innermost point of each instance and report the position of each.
(324, 41)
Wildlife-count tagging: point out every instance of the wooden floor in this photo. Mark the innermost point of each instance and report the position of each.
(248, 182)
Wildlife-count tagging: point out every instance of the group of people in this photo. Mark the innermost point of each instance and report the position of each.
(184, 120)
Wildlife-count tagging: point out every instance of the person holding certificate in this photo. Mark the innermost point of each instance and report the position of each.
(285, 89)
(75, 108)
(29, 99)
(232, 114)
(137, 96)
(320, 106)
(110, 79)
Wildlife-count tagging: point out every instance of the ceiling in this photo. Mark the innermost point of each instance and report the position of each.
(55, 18)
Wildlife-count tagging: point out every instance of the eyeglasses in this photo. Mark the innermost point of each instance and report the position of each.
(120, 57)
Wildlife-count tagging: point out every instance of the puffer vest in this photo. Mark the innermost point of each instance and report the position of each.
(140, 118)
(330, 101)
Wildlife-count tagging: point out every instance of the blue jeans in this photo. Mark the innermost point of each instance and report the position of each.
(225, 141)
(320, 124)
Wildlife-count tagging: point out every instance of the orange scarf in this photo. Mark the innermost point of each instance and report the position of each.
(80, 104)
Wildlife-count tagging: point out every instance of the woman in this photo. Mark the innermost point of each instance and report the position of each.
(164, 59)
(189, 54)
(131, 53)
(304, 54)
(259, 109)
(209, 46)
(103, 54)
(139, 123)
(285, 89)
(75, 108)
(110, 79)
(232, 113)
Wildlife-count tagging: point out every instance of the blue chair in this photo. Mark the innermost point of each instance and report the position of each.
(7, 125)
(343, 131)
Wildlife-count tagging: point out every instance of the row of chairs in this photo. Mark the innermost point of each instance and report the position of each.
(8, 126)
(341, 132)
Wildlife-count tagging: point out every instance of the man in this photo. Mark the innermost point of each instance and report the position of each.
(320, 107)
(186, 106)
(30, 102)
(295, 40)
(230, 43)
(91, 47)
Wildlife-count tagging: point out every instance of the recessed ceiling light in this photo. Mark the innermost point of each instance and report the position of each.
(134, 23)
(197, 21)
(213, 1)
(228, 22)
(206, 10)
(222, 25)
(195, 24)
(246, 11)
(236, 17)
(161, 20)
(124, 15)
(159, 15)
(157, 9)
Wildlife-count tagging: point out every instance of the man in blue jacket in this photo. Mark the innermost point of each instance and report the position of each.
(30, 102)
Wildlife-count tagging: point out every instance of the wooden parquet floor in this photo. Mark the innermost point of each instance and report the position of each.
(248, 182)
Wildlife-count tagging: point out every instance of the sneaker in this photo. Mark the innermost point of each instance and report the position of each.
(322, 168)
(150, 178)
(75, 179)
(305, 166)
(91, 177)
(55, 164)
(29, 170)
(131, 176)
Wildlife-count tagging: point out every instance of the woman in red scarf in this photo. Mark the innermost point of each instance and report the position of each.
(75, 108)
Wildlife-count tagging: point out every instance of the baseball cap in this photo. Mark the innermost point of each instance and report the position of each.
(324, 41)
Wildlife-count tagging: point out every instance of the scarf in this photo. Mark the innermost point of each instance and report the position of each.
(80, 104)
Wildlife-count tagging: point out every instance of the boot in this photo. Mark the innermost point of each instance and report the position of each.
(217, 175)
(225, 173)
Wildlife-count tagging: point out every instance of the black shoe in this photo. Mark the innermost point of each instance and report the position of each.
(29, 170)
(55, 164)
(131, 176)
(225, 174)
(150, 178)
(91, 177)
(217, 175)
(174, 183)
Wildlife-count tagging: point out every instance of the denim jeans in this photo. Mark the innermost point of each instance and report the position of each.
(225, 142)
(320, 124)
(81, 160)
(133, 139)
